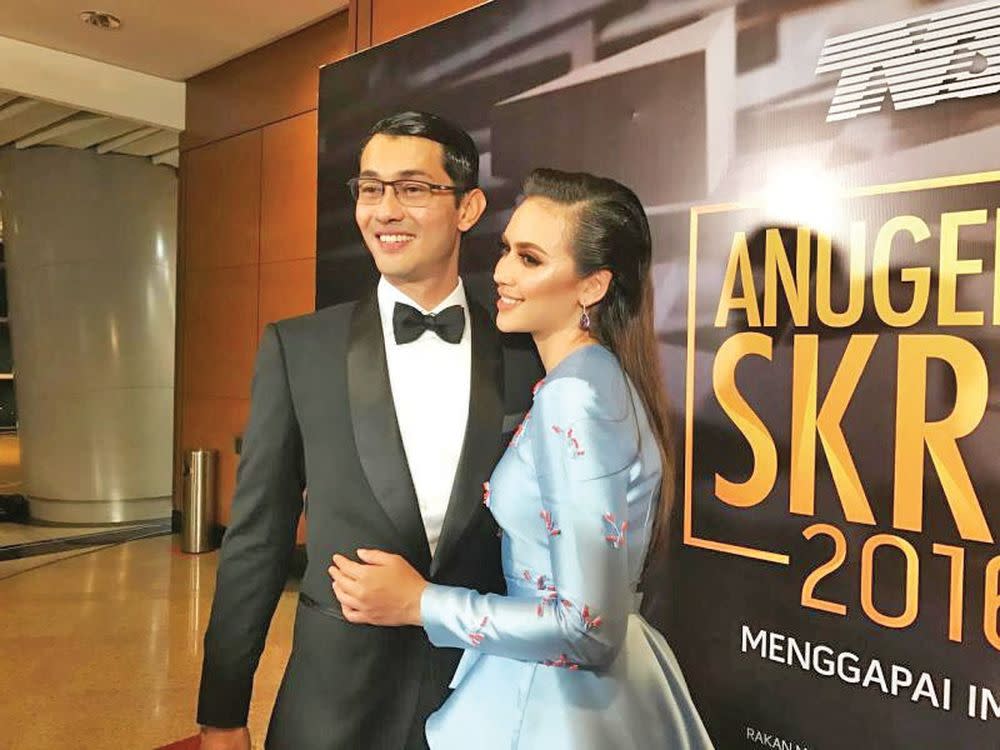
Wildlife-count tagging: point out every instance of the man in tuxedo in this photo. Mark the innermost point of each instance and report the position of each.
(392, 410)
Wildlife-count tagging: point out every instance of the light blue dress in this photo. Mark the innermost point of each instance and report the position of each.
(564, 661)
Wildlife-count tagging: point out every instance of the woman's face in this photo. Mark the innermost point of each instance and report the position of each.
(536, 274)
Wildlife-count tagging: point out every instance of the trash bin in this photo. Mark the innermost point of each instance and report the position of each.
(199, 501)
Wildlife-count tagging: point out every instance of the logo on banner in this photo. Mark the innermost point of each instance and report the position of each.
(952, 54)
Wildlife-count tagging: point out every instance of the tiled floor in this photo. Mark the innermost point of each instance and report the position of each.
(102, 648)
(10, 568)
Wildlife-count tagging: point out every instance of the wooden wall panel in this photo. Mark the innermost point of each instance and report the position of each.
(288, 189)
(300, 532)
(392, 18)
(360, 23)
(287, 289)
(222, 203)
(180, 286)
(220, 336)
(214, 423)
(263, 86)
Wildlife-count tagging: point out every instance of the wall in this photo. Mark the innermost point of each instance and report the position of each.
(247, 215)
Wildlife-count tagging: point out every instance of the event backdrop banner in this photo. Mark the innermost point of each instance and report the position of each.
(823, 183)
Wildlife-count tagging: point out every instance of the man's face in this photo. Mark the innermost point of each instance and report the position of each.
(409, 244)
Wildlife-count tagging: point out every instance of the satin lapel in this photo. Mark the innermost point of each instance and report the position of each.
(376, 431)
(481, 446)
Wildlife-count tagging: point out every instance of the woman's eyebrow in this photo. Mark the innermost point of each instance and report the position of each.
(526, 246)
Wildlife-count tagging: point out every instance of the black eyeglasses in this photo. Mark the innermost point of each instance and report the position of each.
(413, 193)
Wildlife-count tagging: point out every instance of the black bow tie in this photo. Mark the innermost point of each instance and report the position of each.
(408, 323)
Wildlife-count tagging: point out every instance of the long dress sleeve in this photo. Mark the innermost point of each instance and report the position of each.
(577, 618)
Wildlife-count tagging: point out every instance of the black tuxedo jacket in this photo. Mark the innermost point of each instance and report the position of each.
(322, 415)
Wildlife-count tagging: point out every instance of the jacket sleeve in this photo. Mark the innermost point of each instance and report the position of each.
(257, 547)
(579, 617)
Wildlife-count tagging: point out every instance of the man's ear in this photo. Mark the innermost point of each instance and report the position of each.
(471, 209)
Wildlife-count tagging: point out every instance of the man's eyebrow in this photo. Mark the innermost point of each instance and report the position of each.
(414, 173)
(399, 175)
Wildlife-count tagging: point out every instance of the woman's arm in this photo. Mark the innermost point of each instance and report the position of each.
(580, 616)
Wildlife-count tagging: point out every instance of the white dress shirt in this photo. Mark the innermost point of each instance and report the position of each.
(430, 381)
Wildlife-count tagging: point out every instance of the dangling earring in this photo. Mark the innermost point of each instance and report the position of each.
(584, 319)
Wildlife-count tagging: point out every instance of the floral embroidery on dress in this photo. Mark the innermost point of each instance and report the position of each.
(575, 451)
(549, 525)
(589, 621)
(476, 636)
(551, 596)
(617, 535)
(562, 661)
(486, 494)
(519, 430)
(541, 583)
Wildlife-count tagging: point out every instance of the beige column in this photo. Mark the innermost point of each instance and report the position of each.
(91, 265)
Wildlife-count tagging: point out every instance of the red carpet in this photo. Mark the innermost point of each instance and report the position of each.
(191, 743)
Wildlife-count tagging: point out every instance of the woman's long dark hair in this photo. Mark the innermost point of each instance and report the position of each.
(612, 233)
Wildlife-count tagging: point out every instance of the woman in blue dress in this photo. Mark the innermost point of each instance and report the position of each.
(564, 660)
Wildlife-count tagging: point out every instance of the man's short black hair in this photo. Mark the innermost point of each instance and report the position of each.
(461, 157)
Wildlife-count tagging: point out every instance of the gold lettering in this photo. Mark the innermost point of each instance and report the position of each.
(777, 265)
(856, 292)
(920, 277)
(951, 267)
(739, 262)
(765, 454)
(913, 432)
(806, 424)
